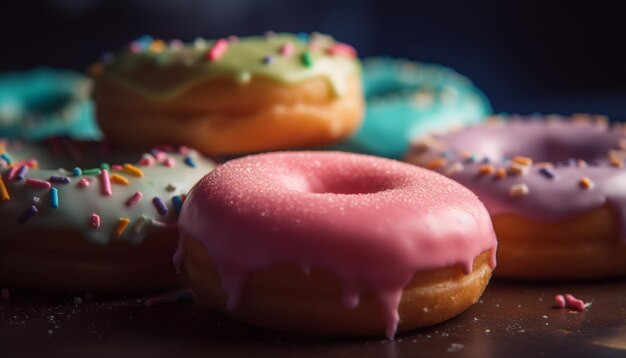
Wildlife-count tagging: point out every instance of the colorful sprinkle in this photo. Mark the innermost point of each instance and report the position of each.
(56, 179)
(134, 199)
(21, 173)
(92, 172)
(28, 214)
(177, 201)
(190, 162)
(267, 60)
(615, 162)
(574, 303)
(303, 36)
(12, 173)
(133, 170)
(585, 183)
(518, 190)
(54, 198)
(140, 223)
(169, 162)
(522, 160)
(287, 49)
(77, 172)
(117, 167)
(37, 183)
(121, 226)
(547, 172)
(84, 182)
(170, 187)
(559, 301)
(500, 173)
(217, 50)
(105, 183)
(342, 49)
(436, 163)
(159, 205)
(105, 166)
(6, 157)
(454, 169)
(118, 179)
(4, 193)
(486, 169)
(94, 221)
(518, 169)
(307, 59)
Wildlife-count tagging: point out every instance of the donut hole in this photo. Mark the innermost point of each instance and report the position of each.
(339, 184)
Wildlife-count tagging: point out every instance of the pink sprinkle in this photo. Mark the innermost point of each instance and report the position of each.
(117, 167)
(160, 156)
(12, 173)
(36, 183)
(3, 163)
(287, 49)
(105, 183)
(134, 199)
(95, 221)
(574, 303)
(559, 301)
(217, 50)
(176, 44)
(5, 294)
(342, 49)
(84, 182)
(233, 39)
(184, 150)
(169, 162)
(147, 161)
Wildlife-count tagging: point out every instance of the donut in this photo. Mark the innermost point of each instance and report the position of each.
(93, 227)
(408, 99)
(234, 96)
(46, 102)
(333, 243)
(554, 186)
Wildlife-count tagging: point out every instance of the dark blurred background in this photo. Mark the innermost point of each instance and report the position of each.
(528, 56)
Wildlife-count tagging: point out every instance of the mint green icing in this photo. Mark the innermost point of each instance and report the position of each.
(162, 74)
(78, 203)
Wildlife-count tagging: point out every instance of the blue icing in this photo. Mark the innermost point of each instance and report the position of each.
(410, 99)
(45, 102)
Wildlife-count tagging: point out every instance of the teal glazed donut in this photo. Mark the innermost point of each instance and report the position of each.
(45, 102)
(408, 99)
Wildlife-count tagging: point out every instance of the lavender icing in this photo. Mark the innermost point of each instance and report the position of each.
(564, 151)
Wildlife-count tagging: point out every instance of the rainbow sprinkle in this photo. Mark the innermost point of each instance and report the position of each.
(585, 183)
(121, 226)
(342, 49)
(54, 198)
(287, 49)
(92, 172)
(133, 170)
(21, 173)
(486, 169)
(6, 157)
(546, 172)
(134, 199)
(94, 221)
(500, 173)
(118, 179)
(177, 201)
(28, 214)
(217, 50)
(84, 182)
(12, 173)
(518, 190)
(307, 59)
(105, 183)
(77, 172)
(4, 193)
(37, 183)
(159, 205)
(56, 179)
(190, 162)
(522, 160)
(436, 163)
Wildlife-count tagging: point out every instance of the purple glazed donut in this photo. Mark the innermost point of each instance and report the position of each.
(555, 188)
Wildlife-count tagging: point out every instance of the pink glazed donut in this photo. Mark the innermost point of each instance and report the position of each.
(334, 243)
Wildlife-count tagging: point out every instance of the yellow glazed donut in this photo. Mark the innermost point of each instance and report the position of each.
(231, 96)
(334, 243)
(91, 226)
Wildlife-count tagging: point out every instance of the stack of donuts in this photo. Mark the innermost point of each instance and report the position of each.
(309, 223)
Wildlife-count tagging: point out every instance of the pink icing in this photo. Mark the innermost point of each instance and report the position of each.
(371, 222)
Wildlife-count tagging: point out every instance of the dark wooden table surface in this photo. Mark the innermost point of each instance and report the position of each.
(511, 320)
